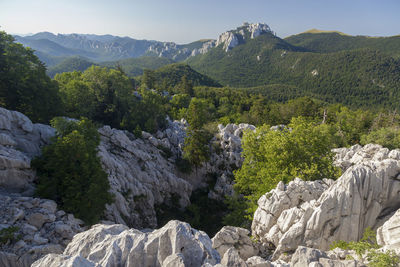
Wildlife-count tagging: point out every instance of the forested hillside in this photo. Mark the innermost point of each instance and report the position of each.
(360, 77)
(327, 42)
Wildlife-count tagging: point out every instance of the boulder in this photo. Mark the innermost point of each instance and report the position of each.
(175, 244)
(235, 237)
(388, 235)
(364, 196)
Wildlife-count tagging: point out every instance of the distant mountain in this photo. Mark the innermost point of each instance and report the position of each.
(135, 66)
(74, 63)
(327, 42)
(357, 71)
(100, 48)
(171, 75)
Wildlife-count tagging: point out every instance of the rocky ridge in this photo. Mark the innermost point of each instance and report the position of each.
(364, 196)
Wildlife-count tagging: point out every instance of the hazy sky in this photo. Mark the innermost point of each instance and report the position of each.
(185, 21)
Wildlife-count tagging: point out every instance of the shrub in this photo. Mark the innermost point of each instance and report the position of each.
(388, 137)
(271, 156)
(70, 172)
(368, 245)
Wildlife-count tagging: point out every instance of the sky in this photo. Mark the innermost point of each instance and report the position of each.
(184, 21)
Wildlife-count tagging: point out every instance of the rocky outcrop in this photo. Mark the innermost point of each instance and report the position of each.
(284, 206)
(140, 178)
(231, 39)
(226, 156)
(364, 196)
(237, 238)
(20, 141)
(35, 228)
(388, 235)
(175, 244)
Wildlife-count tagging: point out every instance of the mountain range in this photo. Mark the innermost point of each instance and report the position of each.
(328, 65)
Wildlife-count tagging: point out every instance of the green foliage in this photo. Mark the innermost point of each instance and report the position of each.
(237, 215)
(302, 150)
(170, 76)
(74, 63)
(334, 42)
(362, 77)
(106, 96)
(183, 165)
(387, 137)
(70, 172)
(9, 234)
(368, 245)
(196, 149)
(194, 213)
(24, 85)
(136, 66)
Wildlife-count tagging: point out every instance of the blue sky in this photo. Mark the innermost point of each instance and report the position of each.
(185, 21)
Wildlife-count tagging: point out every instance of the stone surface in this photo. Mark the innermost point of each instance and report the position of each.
(140, 177)
(235, 237)
(388, 235)
(36, 229)
(20, 141)
(231, 39)
(117, 245)
(364, 196)
(231, 258)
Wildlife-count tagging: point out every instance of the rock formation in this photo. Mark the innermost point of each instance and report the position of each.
(388, 235)
(364, 196)
(36, 228)
(175, 244)
(231, 39)
(20, 141)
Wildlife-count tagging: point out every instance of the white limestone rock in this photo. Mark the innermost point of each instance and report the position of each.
(37, 229)
(20, 141)
(235, 237)
(388, 235)
(365, 194)
(139, 176)
(117, 245)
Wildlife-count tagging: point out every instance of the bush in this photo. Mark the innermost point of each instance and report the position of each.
(388, 137)
(9, 235)
(368, 245)
(70, 172)
(303, 150)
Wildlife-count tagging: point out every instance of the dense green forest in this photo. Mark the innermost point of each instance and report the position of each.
(362, 77)
(327, 42)
(313, 106)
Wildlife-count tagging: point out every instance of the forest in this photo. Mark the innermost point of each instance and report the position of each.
(323, 116)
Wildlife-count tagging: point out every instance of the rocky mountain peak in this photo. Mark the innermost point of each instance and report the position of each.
(233, 38)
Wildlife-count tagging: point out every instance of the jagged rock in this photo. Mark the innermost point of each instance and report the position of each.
(20, 141)
(231, 258)
(63, 261)
(140, 178)
(231, 39)
(388, 235)
(235, 237)
(257, 261)
(36, 231)
(366, 193)
(117, 245)
(284, 206)
(305, 256)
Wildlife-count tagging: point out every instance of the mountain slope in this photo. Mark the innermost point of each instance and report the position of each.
(359, 77)
(135, 66)
(105, 47)
(171, 76)
(327, 42)
(74, 63)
